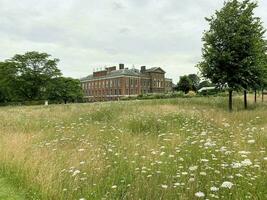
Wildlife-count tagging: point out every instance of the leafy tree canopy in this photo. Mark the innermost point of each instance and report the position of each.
(234, 47)
(35, 71)
(184, 84)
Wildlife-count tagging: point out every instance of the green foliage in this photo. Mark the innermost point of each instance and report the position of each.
(184, 84)
(195, 81)
(64, 89)
(234, 47)
(35, 70)
(33, 77)
(8, 73)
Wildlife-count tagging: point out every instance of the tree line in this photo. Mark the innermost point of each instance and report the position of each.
(234, 52)
(34, 76)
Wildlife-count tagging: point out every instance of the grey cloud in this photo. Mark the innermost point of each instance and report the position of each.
(87, 34)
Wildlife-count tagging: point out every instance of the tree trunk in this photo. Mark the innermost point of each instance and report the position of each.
(65, 101)
(262, 95)
(230, 100)
(255, 96)
(245, 99)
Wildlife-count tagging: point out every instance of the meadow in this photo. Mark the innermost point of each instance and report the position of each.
(187, 148)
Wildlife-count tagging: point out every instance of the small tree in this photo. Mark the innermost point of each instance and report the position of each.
(184, 84)
(233, 47)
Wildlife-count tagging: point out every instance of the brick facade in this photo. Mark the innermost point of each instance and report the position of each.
(112, 84)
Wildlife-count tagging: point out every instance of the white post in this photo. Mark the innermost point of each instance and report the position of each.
(46, 102)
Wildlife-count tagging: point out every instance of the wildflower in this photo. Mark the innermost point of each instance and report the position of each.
(199, 194)
(246, 162)
(164, 186)
(81, 150)
(214, 189)
(251, 141)
(265, 158)
(76, 172)
(114, 186)
(191, 180)
(236, 165)
(193, 168)
(227, 184)
(203, 173)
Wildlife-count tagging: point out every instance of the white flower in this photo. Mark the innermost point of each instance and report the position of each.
(199, 194)
(193, 168)
(164, 186)
(177, 184)
(236, 165)
(114, 186)
(246, 162)
(265, 158)
(214, 189)
(227, 184)
(76, 172)
(203, 173)
(251, 141)
(82, 199)
(191, 180)
(81, 150)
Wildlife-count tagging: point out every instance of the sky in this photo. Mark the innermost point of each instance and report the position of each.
(88, 35)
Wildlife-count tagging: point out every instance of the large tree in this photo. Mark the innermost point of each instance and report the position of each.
(35, 70)
(233, 47)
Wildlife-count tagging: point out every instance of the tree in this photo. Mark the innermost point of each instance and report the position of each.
(195, 81)
(233, 47)
(184, 84)
(35, 70)
(8, 73)
(64, 89)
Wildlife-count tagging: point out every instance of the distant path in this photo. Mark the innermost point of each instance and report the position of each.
(7, 192)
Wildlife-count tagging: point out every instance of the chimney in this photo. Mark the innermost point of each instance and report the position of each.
(143, 69)
(110, 69)
(121, 66)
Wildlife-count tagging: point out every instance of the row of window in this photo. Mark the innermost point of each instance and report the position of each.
(116, 83)
(111, 92)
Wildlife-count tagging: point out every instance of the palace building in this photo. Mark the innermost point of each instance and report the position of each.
(113, 83)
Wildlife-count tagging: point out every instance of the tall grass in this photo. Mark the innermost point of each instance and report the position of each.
(153, 149)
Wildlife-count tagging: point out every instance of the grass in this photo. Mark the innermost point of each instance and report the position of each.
(153, 149)
(7, 192)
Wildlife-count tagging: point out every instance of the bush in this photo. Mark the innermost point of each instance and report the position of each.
(191, 94)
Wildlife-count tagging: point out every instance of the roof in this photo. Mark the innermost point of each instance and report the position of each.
(153, 69)
(115, 73)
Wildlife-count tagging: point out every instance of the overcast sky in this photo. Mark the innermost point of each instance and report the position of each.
(88, 34)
